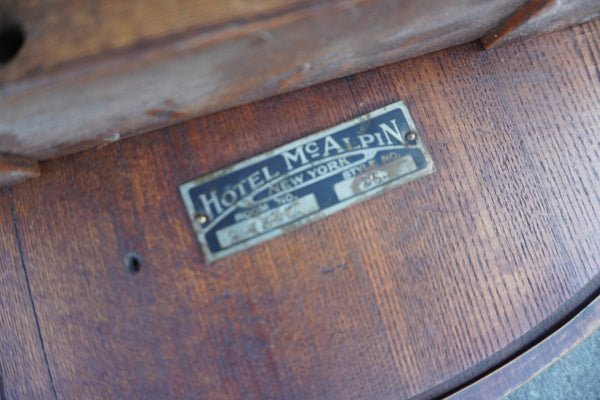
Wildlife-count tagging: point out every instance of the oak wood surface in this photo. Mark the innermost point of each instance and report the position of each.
(410, 294)
(116, 94)
(527, 366)
(23, 369)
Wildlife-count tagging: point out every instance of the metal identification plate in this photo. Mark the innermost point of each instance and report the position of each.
(303, 181)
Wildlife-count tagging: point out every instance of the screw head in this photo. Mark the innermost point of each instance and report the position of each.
(411, 136)
(201, 218)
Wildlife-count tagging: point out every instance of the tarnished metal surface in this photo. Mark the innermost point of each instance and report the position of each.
(306, 180)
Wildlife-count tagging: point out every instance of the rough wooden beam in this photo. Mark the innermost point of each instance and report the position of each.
(97, 97)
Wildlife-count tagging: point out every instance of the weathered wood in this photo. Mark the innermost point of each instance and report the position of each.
(15, 169)
(413, 293)
(530, 364)
(83, 103)
(541, 16)
(23, 369)
(61, 33)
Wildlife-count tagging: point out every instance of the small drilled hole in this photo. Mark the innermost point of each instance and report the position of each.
(133, 263)
(12, 38)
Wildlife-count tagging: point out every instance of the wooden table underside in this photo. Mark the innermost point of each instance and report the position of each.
(410, 294)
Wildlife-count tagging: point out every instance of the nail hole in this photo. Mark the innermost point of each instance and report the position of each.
(133, 263)
(12, 37)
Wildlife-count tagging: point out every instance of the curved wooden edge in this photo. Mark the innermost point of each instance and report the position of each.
(531, 363)
(14, 169)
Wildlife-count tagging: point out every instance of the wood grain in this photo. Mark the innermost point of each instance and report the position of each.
(63, 32)
(530, 364)
(514, 21)
(541, 16)
(16, 169)
(127, 92)
(409, 295)
(23, 369)
(491, 145)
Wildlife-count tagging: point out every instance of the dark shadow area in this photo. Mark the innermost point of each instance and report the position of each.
(12, 38)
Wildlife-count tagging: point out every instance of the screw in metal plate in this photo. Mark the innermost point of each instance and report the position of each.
(201, 218)
(411, 136)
